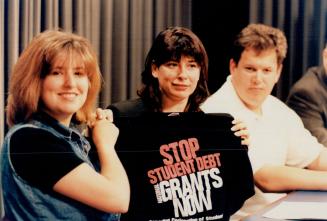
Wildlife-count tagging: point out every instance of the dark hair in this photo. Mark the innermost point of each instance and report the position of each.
(260, 37)
(172, 44)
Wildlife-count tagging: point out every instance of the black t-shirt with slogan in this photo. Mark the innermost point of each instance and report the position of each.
(185, 166)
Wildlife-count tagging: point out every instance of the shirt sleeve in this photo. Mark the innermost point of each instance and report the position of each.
(41, 158)
(304, 148)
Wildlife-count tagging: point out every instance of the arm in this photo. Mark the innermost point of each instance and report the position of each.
(286, 178)
(108, 191)
(283, 178)
(321, 162)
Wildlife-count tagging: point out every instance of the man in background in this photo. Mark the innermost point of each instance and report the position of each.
(283, 154)
(308, 97)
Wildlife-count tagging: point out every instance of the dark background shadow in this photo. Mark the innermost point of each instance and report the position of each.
(217, 30)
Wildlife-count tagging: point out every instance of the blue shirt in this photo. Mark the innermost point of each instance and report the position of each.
(26, 200)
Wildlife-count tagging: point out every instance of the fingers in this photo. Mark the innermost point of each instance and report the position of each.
(238, 125)
(240, 130)
(104, 114)
(245, 142)
(244, 133)
(100, 114)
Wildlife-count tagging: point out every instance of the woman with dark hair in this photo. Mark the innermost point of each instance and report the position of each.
(174, 78)
(175, 81)
(179, 51)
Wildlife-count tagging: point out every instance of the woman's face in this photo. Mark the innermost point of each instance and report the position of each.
(177, 79)
(65, 88)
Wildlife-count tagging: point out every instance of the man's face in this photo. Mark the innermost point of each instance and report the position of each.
(255, 76)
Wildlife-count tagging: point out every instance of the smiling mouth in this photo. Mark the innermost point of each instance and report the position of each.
(180, 86)
(68, 95)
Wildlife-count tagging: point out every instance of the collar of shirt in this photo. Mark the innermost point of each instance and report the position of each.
(46, 119)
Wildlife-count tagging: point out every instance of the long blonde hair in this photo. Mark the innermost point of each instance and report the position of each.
(34, 64)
